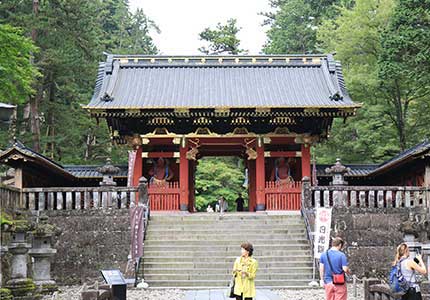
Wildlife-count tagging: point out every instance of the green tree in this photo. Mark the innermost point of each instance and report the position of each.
(217, 177)
(356, 38)
(404, 66)
(292, 28)
(222, 40)
(17, 74)
(71, 36)
(294, 24)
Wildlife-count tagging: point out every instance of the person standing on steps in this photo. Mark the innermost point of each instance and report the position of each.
(244, 272)
(333, 267)
(239, 202)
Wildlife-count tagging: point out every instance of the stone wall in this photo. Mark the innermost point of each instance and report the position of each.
(90, 240)
(372, 236)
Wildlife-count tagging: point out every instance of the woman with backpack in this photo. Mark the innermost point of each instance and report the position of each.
(408, 268)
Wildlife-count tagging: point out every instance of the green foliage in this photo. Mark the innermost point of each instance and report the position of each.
(355, 37)
(222, 40)
(404, 65)
(71, 36)
(382, 47)
(16, 71)
(293, 29)
(216, 177)
(294, 24)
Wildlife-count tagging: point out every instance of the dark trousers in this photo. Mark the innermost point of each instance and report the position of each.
(412, 295)
(241, 298)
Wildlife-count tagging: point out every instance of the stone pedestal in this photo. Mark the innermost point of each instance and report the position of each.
(22, 288)
(42, 252)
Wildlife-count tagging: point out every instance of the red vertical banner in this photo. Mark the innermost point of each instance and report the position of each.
(136, 224)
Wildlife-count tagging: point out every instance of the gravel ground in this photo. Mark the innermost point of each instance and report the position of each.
(72, 293)
(316, 294)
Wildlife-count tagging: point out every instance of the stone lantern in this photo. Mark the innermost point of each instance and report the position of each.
(20, 286)
(108, 171)
(338, 172)
(42, 252)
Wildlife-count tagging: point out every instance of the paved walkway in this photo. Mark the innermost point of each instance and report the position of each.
(221, 294)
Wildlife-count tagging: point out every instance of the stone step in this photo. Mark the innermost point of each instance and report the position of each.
(221, 222)
(224, 277)
(218, 242)
(226, 265)
(226, 270)
(223, 283)
(304, 262)
(213, 254)
(224, 248)
(230, 259)
(236, 237)
(158, 216)
(216, 230)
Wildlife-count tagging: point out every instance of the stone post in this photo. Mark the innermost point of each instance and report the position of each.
(42, 252)
(338, 172)
(306, 192)
(22, 288)
(108, 171)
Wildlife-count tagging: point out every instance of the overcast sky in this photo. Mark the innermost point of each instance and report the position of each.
(181, 21)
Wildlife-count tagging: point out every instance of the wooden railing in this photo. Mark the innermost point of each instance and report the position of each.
(280, 196)
(10, 197)
(164, 197)
(369, 196)
(376, 289)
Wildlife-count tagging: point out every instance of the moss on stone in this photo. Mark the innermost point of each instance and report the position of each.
(5, 294)
(5, 219)
(22, 288)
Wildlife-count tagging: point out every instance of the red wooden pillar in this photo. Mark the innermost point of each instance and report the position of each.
(138, 168)
(306, 161)
(183, 178)
(252, 190)
(260, 179)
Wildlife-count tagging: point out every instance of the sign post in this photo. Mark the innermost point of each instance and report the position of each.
(322, 234)
(115, 279)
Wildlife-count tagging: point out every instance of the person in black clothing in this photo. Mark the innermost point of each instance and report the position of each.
(240, 202)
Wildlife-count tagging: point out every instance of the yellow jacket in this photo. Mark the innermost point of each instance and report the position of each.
(246, 285)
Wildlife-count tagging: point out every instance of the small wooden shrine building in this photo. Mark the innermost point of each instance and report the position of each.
(182, 108)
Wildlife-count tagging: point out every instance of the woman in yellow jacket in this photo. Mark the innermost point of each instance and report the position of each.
(244, 272)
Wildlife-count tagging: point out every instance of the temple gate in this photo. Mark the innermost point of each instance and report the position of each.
(268, 110)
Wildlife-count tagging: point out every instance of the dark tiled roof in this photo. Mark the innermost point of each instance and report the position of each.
(91, 171)
(41, 159)
(404, 156)
(211, 81)
(356, 170)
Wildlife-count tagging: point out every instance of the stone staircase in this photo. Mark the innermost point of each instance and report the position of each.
(198, 250)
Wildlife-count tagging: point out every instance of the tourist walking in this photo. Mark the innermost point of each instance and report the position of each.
(333, 266)
(244, 272)
(409, 268)
(239, 203)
